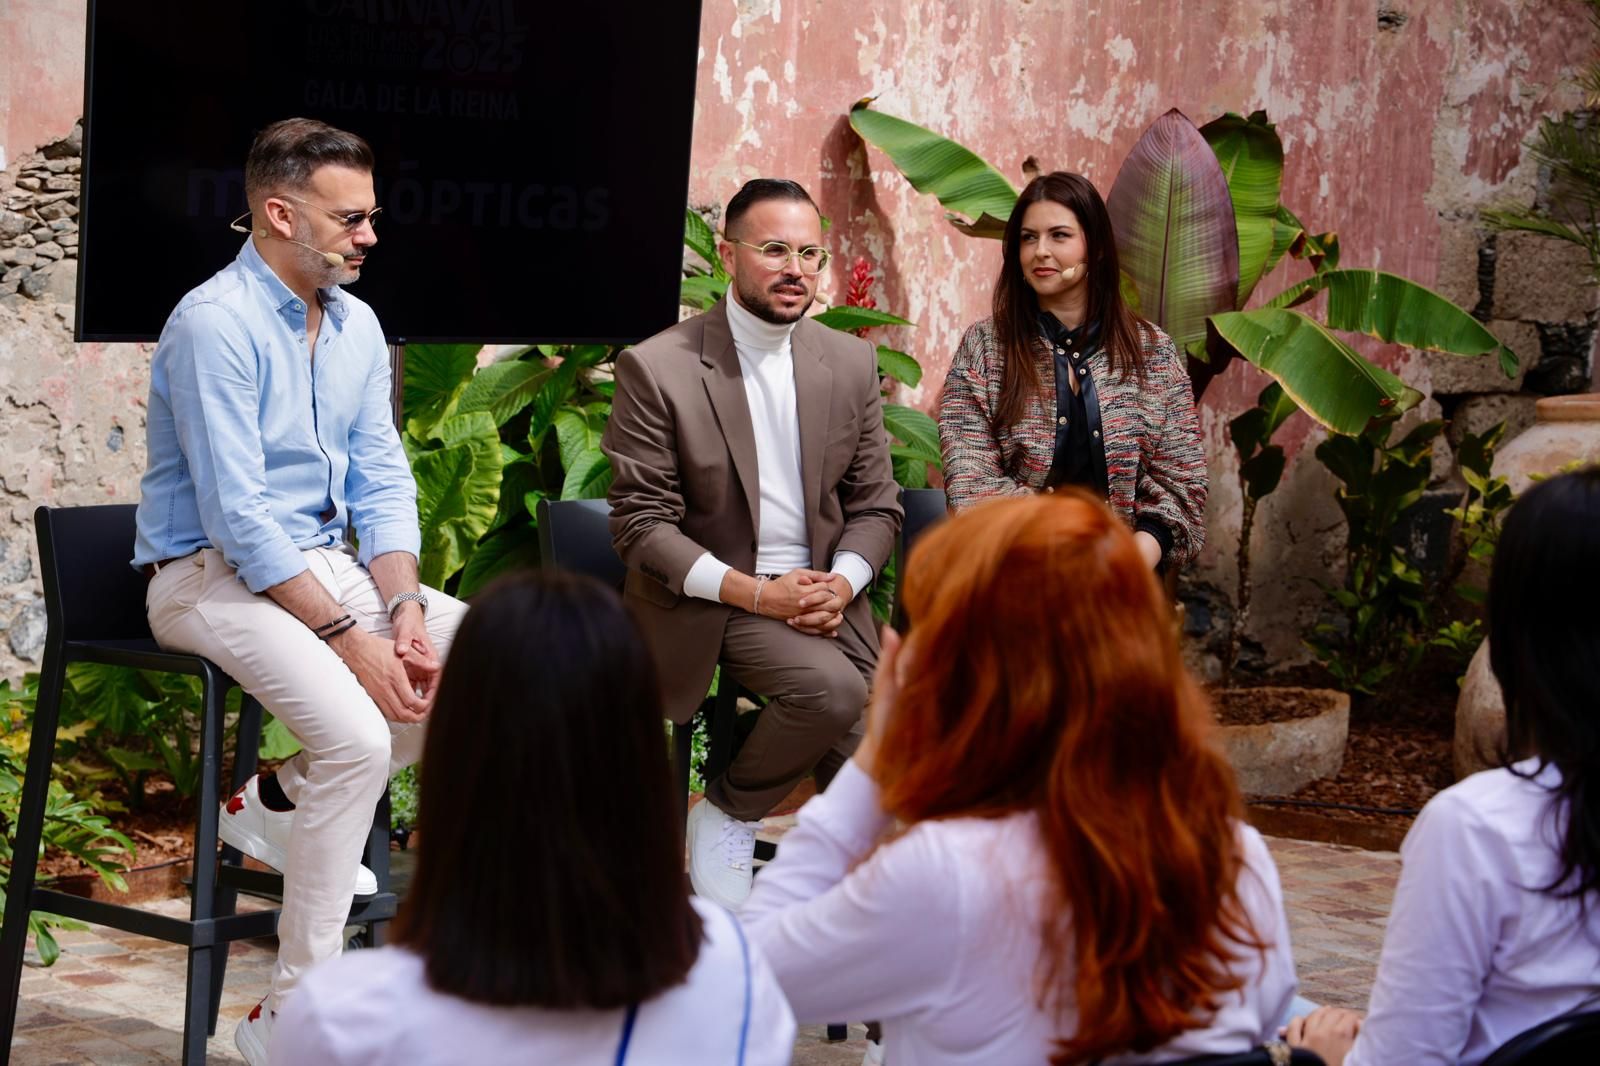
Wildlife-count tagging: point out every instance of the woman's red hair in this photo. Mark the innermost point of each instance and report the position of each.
(1042, 674)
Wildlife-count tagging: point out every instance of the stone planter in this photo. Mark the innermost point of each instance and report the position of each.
(1277, 757)
(1480, 718)
(1566, 428)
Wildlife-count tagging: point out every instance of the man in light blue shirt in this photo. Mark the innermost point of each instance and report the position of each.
(271, 448)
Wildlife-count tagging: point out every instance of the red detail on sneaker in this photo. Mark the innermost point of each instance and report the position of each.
(255, 1015)
(236, 802)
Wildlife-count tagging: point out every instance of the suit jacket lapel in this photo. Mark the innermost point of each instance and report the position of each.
(813, 388)
(725, 386)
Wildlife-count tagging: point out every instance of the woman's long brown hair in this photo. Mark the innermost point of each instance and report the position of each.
(1043, 675)
(1016, 307)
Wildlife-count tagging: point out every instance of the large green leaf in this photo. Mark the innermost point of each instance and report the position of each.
(979, 198)
(700, 239)
(1327, 378)
(458, 491)
(1400, 311)
(512, 548)
(1176, 236)
(899, 366)
(435, 377)
(503, 389)
(915, 430)
(701, 291)
(1251, 157)
(578, 431)
(588, 476)
(848, 318)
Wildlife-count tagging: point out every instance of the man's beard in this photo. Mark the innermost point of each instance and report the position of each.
(324, 273)
(758, 301)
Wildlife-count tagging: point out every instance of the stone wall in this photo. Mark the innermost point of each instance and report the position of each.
(71, 415)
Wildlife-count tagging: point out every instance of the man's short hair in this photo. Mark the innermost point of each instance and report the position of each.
(286, 153)
(758, 190)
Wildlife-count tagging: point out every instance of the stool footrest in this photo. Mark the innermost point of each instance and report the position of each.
(202, 932)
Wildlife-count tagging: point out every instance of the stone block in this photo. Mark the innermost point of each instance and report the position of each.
(16, 273)
(11, 224)
(1480, 718)
(57, 166)
(15, 563)
(58, 209)
(24, 241)
(31, 184)
(1458, 262)
(1539, 279)
(1478, 413)
(33, 286)
(19, 257)
(61, 224)
(41, 233)
(1454, 375)
(61, 283)
(67, 240)
(48, 250)
(27, 631)
(61, 183)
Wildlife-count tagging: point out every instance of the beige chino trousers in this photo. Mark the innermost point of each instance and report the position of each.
(198, 605)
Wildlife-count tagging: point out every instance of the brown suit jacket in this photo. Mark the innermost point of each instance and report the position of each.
(683, 456)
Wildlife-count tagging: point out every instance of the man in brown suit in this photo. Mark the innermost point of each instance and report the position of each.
(753, 502)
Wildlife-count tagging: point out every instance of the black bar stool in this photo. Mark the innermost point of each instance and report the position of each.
(94, 603)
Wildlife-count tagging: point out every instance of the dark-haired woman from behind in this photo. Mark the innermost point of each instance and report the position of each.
(548, 920)
(1074, 882)
(1496, 920)
(1064, 385)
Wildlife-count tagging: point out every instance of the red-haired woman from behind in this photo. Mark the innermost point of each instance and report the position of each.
(1074, 882)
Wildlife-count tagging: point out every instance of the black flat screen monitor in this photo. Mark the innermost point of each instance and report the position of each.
(532, 156)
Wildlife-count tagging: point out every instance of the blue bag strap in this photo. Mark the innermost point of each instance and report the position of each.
(744, 951)
(627, 1032)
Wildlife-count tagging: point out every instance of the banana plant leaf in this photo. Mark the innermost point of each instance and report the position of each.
(977, 196)
(1290, 236)
(1251, 157)
(1175, 228)
(1326, 378)
(458, 492)
(1400, 311)
(503, 389)
(847, 318)
(700, 239)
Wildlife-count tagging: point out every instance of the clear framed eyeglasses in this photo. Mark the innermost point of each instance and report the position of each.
(775, 255)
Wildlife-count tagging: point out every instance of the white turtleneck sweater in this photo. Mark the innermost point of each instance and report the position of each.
(783, 541)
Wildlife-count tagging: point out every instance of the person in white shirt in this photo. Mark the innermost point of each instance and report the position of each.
(1496, 921)
(1072, 881)
(753, 500)
(547, 920)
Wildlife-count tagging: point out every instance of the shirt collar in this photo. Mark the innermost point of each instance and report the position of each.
(1056, 332)
(282, 296)
(756, 334)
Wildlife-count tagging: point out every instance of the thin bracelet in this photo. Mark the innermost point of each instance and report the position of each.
(755, 607)
(329, 625)
(349, 624)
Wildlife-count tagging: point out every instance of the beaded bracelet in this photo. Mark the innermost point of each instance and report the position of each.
(755, 606)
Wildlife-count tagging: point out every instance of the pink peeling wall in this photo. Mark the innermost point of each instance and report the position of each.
(1397, 132)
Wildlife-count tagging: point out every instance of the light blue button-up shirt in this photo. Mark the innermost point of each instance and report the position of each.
(261, 451)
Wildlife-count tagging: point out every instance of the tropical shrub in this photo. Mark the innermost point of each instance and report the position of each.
(71, 825)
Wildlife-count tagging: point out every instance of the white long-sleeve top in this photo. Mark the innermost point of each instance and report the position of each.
(936, 934)
(1475, 953)
(372, 1008)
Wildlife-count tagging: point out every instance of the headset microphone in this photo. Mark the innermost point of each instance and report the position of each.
(333, 259)
(1072, 272)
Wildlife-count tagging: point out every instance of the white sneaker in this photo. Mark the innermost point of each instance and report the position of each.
(251, 1035)
(263, 834)
(722, 853)
(874, 1055)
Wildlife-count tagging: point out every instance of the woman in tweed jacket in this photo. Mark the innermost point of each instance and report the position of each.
(1064, 385)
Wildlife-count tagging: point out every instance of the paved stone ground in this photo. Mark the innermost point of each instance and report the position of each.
(115, 998)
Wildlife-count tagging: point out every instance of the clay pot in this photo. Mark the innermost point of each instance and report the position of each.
(1566, 428)
(1275, 758)
(1480, 718)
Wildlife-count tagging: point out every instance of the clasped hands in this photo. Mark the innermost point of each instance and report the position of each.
(810, 601)
(400, 674)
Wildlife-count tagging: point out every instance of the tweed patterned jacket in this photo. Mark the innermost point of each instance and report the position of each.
(1155, 463)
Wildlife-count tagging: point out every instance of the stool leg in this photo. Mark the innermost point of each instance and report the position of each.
(197, 1023)
(247, 744)
(29, 831)
(377, 860)
(682, 756)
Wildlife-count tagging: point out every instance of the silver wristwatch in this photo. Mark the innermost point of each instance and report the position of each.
(408, 597)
